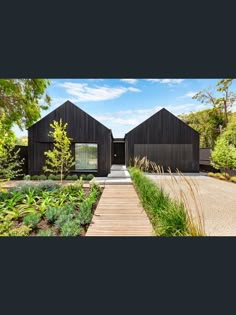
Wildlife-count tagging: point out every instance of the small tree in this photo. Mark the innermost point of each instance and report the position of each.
(10, 163)
(224, 154)
(59, 160)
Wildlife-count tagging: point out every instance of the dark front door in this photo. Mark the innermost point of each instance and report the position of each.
(118, 153)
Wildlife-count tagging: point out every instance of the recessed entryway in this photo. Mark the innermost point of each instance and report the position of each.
(118, 152)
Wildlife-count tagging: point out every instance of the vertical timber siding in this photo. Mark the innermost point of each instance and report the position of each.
(166, 140)
(81, 128)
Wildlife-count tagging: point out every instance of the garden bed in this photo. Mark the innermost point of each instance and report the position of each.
(47, 209)
(168, 217)
(223, 176)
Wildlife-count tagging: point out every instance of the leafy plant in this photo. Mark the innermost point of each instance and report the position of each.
(10, 163)
(35, 177)
(42, 177)
(48, 185)
(68, 177)
(83, 176)
(27, 177)
(32, 219)
(84, 215)
(74, 177)
(62, 219)
(52, 177)
(5, 227)
(233, 179)
(47, 232)
(90, 176)
(52, 213)
(23, 230)
(60, 159)
(70, 228)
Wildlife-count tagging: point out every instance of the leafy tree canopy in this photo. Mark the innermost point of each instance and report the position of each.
(207, 122)
(10, 165)
(20, 100)
(224, 154)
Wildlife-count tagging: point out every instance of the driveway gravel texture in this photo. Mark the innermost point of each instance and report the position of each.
(215, 198)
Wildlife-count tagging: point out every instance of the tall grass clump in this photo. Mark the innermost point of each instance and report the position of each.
(168, 217)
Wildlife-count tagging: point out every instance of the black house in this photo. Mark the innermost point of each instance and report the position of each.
(163, 138)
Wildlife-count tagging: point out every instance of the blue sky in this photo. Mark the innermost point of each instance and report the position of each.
(121, 104)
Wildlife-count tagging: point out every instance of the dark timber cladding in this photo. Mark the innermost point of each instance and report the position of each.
(166, 140)
(82, 128)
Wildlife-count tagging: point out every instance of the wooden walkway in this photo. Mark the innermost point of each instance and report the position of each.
(119, 213)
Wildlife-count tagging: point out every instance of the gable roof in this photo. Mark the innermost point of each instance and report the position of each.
(67, 103)
(157, 114)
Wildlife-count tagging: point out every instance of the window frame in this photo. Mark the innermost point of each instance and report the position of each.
(86, 170)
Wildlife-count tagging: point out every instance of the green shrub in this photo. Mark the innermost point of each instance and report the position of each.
(68, 177)
(90, 176)
(42, 177)
(23, 188)
(226, 175)
(52, 177)
(85, 215)
(5, 228)
(233, 179)
(57, 177)
(48, 185)
(47, 232)
(32, 219)
(74, 177)
(20, 231)
(211, 174)
(83, 176)
(53, 213)
(27, 177)
(35, 177)
(62, 219)
(71, 228)
(220, 176)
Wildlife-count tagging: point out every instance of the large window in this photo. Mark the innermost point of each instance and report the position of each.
(86, 156)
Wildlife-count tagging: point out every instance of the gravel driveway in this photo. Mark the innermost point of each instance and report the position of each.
(216, 197)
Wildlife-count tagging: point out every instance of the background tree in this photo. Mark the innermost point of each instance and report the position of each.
(227, 100)
(22, 141)
(223, 102)
(224, 153)
(60, 159)
(207, 122)
(10, 164)
(20, 100)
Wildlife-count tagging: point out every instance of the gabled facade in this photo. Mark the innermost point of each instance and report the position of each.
(166, 140)
(91, 141)
(163, 138)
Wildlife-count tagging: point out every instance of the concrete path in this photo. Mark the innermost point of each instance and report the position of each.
(119, 175)
(215, 198)
(119, 213)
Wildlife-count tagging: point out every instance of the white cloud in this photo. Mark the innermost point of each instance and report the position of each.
(84, 93)
(170, 82)
(131, 118)
(189, 94)
(130, 81)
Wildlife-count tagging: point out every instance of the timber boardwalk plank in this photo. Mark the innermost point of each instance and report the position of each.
(119, 213)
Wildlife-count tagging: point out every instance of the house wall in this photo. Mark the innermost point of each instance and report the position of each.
(166, 140)
(81, 128)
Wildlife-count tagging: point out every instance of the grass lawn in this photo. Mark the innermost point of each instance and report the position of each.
(47, 209)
